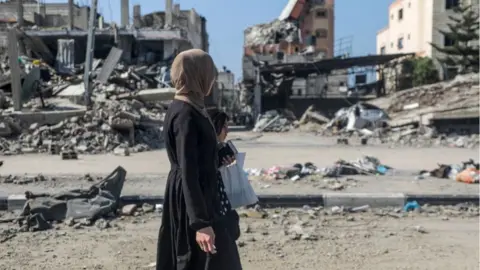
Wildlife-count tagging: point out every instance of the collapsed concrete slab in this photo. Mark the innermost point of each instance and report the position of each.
(161, 94)
(46, 117)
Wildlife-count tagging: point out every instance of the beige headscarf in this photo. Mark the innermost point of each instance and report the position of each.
(193, 74)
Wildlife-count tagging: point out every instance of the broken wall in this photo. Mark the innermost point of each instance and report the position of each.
(188, 20)
(226, 80)
(56, 14)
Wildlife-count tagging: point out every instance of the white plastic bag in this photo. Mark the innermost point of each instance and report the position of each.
(238, 188)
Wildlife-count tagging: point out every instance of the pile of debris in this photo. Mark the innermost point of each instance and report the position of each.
(294, 172)
(275, 121)
(426, 115)
(300, 172)
(365, 165)
(466, 172)
(128, 106)
(461, 92)
(411, 117)
(97, 205)
(271, 33)
(121, 126)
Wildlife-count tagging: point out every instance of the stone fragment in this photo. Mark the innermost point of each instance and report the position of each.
(148, 208)
(129, 209)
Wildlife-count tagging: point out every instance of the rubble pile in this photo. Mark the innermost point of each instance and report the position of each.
(126, 114)
(365, 165)
(408, 117)
(413, 114)
(276, 121)
(462, 91)
(120, 126)
(271, 33)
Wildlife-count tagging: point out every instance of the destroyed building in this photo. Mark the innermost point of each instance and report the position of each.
(303, 33)
(40, 14)
(95, 89)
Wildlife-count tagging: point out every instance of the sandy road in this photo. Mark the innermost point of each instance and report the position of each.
(147, 171)
(436, 239)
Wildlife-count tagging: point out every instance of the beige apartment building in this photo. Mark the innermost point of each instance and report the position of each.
(414, 24)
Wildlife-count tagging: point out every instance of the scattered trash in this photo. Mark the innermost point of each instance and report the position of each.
(469, 176)
(411, 206)
(366, 165)
(466, 172)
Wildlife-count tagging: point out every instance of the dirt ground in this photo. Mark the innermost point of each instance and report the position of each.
(147, 171)
(438, 238)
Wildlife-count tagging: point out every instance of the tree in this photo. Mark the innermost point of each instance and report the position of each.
(416, 72)
(424, 71)
(463, 53)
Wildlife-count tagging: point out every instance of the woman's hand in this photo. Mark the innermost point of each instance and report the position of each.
(206, 240)
(228, 160)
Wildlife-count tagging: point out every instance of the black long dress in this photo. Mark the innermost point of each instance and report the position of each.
(192, 197)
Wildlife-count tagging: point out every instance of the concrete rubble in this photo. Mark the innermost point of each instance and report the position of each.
(58, 98)
(111, 126)
(122, 119)
(270, 33)
(430, 115)
(275, 121)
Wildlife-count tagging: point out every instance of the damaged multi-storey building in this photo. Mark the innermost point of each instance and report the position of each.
(30, 13)
(294, 62)
(148, 38)
(69, 77)
(303, 33)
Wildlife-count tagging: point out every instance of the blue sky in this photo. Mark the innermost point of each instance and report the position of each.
(226, 21)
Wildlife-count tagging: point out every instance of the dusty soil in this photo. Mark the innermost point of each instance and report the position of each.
(147, 171)
(437, 238)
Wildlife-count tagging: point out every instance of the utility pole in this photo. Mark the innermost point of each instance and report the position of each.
(20, 19)
(21, 24)
(70, 15)
(89, 54)
(16, 81)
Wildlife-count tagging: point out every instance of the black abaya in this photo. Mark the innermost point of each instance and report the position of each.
(191, 195)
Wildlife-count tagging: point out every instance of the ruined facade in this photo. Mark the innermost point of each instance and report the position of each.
(45, 15)
(316, 22)
(318, 25)
(145, 39)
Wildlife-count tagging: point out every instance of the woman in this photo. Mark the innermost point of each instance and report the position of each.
(230, 217)
(190, 236)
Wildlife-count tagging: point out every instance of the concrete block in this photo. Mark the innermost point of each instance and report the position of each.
(16, 202)
(75, 93)
(359, 199)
